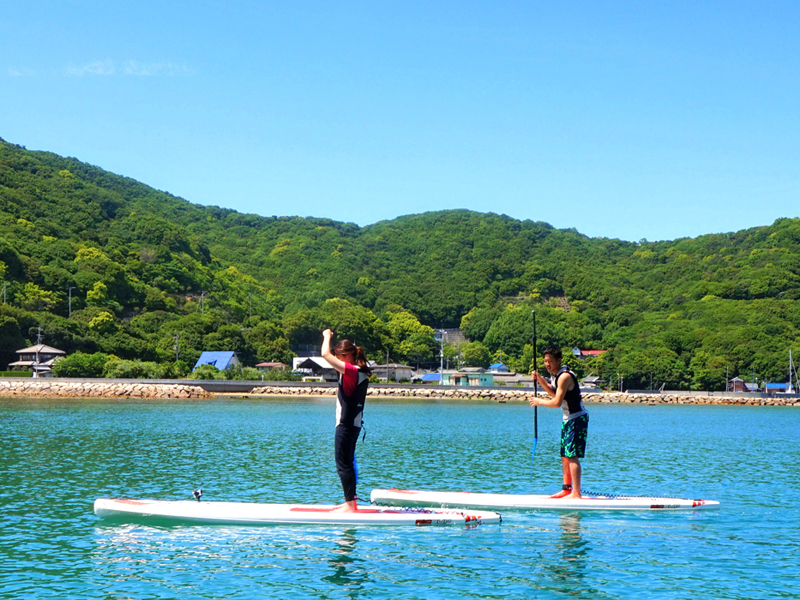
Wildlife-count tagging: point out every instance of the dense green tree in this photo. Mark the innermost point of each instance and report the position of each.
(150, 274)
(410, 340)
(475, 354)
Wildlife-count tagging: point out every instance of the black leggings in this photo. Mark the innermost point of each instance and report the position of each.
(345, 452)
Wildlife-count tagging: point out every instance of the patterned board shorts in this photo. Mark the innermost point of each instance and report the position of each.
(573, 437)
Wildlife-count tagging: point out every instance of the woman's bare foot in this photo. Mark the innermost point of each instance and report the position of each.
(346, 507)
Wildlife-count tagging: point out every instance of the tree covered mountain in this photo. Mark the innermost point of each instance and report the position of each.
(150, 276)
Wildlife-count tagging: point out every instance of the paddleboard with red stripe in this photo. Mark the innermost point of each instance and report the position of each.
(476, 500)
(251, 513)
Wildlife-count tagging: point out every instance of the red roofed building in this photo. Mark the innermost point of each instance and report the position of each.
(584, 354)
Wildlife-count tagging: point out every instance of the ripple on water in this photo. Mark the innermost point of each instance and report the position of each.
(56, 457)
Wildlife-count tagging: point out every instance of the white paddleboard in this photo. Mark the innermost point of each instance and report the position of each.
(394, 497)
(251, 513)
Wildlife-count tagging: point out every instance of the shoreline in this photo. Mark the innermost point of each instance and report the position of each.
(186, 390)
(504, 396)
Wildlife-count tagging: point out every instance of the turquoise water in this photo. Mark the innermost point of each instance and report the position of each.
(57, 456)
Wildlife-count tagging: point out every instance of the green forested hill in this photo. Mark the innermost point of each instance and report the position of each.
(146, 271)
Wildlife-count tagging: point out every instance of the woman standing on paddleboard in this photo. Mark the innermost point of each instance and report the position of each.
(351, 364)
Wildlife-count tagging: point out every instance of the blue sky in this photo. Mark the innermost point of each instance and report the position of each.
(632, 120)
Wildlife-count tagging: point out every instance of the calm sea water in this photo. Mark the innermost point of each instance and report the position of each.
(57, 456)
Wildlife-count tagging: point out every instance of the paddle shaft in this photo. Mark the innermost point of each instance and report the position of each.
(535, 390)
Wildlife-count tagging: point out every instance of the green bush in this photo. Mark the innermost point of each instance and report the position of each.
(243, 373)
(16, 373)
(134, 369)
(279, 375)
(81, 364)
(207, 372)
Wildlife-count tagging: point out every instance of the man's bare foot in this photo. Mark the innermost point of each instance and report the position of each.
(562, 493)
(573, 495)
(346, 507)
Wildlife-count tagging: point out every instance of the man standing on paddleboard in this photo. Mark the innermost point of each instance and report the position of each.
(351, 364)
(565, 393)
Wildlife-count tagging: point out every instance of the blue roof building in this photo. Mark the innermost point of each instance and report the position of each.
(220, 360)
(498, 368)
(431, 377)
(776, 387)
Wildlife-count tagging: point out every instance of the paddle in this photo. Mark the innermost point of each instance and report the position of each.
(536, 392)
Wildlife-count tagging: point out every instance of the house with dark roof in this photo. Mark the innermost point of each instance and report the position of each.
(219, 359)
(315, 368)
(591, 382)
(39, 359)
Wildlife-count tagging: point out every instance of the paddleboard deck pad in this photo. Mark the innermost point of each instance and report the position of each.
(472, 500)
(251, 513)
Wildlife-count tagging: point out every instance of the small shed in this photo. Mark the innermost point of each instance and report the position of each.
(498, 368)
(221, 360)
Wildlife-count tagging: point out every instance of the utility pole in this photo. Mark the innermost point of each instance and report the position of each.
(441, 357)
(202, 304)
(69, 293)
(176, 337)
(38, 345)
(5, 285)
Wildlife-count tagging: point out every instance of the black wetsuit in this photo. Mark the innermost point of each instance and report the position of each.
(352, 393)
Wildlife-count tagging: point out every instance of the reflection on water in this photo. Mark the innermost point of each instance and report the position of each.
(574, 549)
(348, 572)
(56, 457)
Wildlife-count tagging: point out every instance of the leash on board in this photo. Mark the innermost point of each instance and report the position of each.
(363, 438)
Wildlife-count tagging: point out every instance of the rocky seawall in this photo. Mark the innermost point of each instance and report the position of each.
(42, 388)
(501, 396)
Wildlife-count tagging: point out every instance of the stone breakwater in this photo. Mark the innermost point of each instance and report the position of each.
(44, 388)
(500, 395)
(89, 389)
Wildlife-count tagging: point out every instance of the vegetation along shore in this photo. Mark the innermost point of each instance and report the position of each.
(132, 282)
